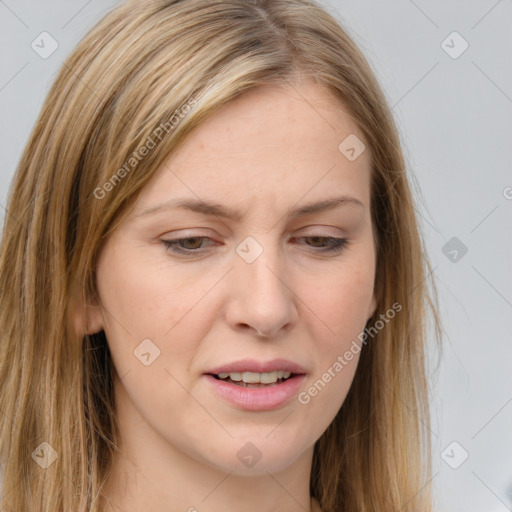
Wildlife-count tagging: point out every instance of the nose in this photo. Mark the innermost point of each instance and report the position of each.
(261, 299)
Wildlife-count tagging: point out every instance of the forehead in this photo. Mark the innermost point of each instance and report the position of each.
(279, 142)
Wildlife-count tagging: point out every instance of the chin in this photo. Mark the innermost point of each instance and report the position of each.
(256, 456)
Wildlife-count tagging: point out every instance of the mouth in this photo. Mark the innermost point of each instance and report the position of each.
(256, 385)
(253, 379)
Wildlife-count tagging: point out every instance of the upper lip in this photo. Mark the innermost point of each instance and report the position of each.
(255, 366)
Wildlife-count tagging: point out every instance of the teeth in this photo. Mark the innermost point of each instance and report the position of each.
(256, 378)
(251, 378)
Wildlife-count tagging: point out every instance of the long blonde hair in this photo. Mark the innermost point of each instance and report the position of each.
(136, 69)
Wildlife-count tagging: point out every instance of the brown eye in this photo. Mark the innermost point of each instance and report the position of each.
(193, 245)
(333, 244)
(184, 245)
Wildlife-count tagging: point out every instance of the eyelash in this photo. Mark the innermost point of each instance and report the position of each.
(337, 245)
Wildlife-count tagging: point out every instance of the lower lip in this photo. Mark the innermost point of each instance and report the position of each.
(257, 399)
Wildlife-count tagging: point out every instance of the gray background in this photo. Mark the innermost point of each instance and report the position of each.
(455, 119)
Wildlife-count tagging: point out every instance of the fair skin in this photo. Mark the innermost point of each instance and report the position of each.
(263, 153)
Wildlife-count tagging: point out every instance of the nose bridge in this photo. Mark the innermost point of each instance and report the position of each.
(259, 265)
(263, 297)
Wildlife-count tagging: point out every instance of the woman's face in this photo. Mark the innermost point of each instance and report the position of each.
(264, 293)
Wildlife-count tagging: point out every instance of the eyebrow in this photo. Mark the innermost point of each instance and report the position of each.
(219, 210)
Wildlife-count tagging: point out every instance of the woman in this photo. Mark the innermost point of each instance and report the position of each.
(213, 283)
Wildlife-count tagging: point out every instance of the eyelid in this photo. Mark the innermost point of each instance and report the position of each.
(335, 245)
(190, 233)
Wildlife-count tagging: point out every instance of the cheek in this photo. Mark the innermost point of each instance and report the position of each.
(153, 300)
(341, 303)
(147, 296)
(342, 300)
(326, 391)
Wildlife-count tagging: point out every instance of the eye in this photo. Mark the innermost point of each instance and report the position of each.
(175, 245)
(193, 245)
(334, 245)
